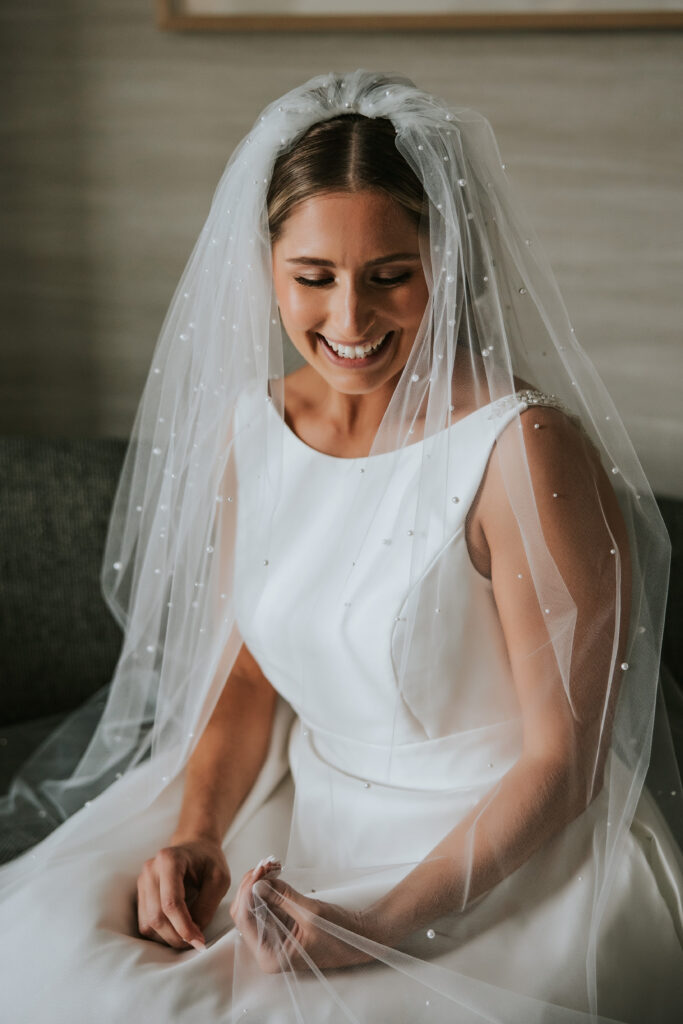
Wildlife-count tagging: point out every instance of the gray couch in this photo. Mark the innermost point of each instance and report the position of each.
(58, 641)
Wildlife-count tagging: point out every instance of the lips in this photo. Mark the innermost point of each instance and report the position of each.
(356, 354)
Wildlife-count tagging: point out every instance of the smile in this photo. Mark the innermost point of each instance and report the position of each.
(354, 355)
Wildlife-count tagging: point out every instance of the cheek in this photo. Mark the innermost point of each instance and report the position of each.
(304, 307)
(413, 304)
(421, 293)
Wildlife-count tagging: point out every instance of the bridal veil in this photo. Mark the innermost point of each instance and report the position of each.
(172, 557)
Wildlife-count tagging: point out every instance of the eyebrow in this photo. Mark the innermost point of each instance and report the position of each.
(314, 261)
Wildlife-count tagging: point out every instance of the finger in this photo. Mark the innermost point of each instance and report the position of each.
(165, 931)
(260, 931)
(266, 865)
(266, 869)
(156, 925)
(242, 901)
(145, 917)
(238, 898)
(269, 867)
(273, 899)
(214, 886)
(243, 906)
(237, 907)
(279, 895)
(280, 909)
(173, 905)
(250, 915)
(144, 928)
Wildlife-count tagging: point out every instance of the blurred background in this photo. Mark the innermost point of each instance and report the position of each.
(114, 134)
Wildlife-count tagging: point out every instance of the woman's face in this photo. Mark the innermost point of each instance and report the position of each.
(350, 286)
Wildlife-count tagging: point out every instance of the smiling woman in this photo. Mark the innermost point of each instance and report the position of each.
(345, 210)
(395, 617)
(355, 312)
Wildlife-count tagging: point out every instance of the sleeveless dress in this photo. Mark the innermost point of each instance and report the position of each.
(359, 784)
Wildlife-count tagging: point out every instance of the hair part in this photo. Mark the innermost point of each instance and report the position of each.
(347, 153)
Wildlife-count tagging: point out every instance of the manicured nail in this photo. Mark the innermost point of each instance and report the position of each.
(198, 945)
(271, 859)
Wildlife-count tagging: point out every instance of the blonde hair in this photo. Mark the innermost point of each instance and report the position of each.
(348, 153)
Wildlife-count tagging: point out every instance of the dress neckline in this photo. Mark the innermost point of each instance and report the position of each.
(297, 442)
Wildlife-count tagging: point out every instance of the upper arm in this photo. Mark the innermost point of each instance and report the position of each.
(574, 562)
(246, 670)
(245, 689)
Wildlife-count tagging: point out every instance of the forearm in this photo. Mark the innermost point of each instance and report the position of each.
(529, 806)
(226, 762)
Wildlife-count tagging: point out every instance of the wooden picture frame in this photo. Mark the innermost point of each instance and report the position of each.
(581, 15)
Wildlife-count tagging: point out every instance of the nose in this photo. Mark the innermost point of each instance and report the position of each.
(352, 312)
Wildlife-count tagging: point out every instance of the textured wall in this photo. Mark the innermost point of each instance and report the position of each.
(114, 135)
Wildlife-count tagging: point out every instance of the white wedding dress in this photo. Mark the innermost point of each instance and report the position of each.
(355, 773)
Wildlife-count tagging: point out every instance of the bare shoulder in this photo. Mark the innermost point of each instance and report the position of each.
(574, 497)
(563, 466)
(554, 446)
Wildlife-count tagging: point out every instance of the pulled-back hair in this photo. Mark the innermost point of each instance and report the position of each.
(348, 153)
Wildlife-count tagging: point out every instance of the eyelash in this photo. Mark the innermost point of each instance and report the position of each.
(310, 282)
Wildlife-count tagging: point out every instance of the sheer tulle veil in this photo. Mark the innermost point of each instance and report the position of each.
(177, 548)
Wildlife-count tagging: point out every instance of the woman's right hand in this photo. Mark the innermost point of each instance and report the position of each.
(192, 873)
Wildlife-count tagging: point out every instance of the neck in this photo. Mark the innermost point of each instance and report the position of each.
(356, 416)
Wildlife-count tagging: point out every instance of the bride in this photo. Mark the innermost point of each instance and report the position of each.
(376, 743)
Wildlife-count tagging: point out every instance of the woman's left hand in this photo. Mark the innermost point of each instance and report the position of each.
(280, 925)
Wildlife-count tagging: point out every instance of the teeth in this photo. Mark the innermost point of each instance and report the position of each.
(354, 351)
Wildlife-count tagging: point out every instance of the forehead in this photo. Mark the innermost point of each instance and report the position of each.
(365, 224)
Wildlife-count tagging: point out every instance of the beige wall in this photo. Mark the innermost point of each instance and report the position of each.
(114, 135)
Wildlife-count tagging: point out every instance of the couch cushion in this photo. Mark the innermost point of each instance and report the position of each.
(672, 647)
(58, 640)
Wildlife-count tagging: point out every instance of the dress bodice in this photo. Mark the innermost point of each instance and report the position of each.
(323, 606)
(385, 759)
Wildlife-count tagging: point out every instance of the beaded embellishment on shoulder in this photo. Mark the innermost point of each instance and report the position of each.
(532, 397)
(528, 397)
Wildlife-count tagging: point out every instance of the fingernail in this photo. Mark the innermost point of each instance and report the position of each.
(271, 859)
(198, 945)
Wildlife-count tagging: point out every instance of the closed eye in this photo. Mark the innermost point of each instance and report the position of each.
(319, 282)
